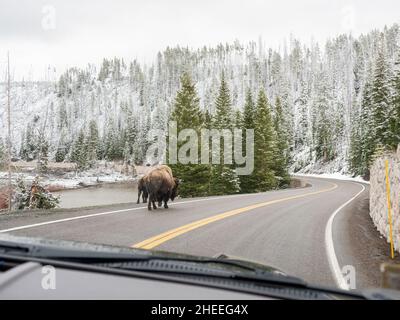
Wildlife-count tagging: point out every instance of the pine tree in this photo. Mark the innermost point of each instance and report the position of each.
(355, 149)
(127, 156)
(366, 133)
(23, 152)
(137, 156)
(371, 130)
(381, 106)
(21, 195)
(223, 118)
(60, 153)
(43, 154)
(238, 119)
(323, 142)
(29, 146)
(101, 153)
(113, 145)
(131, 130)
(195, 177)
(143, 141)
(302, 136)
(248, 183)
(395, 102)
(105, 70)
(92, 143)
(79, 152)
(223, 176)
(116, 69)
(356, 144)
(265, 145)
(322, 124)
(323, 133)
(207, 119)
(62, 116)
(40, 198)
(62, 148)
(281, 153)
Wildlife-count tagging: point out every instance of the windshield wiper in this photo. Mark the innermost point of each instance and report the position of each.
(134, 263)
(41, 251)
(104, 256)
(206, 267)
(146, 261)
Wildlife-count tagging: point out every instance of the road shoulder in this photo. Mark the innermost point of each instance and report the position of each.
(358, 243)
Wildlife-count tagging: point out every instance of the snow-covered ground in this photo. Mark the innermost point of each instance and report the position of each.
(71, 179)
(337, 176)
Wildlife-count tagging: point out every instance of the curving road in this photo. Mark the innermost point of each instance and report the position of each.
(307, 232)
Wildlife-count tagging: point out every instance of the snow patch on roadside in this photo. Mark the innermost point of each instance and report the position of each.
(71, 180)
(337, 176)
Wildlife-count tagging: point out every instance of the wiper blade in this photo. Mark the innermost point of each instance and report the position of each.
(10, 247)
(70, 254)
(91, 256)
(204, 267)
(128, 261)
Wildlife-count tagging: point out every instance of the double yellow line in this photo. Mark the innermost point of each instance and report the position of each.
(168, 235)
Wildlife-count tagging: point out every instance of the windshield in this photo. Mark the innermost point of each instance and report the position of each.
(263, 132)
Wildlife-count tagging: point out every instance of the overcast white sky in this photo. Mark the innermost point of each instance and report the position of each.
(74, 32)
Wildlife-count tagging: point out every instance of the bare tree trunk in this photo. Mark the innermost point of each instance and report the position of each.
(9, 133)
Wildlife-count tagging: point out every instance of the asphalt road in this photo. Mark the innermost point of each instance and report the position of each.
(309, 232)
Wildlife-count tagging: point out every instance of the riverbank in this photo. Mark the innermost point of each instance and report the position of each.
(61, 177)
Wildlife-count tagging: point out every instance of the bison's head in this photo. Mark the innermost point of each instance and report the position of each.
(174, 192)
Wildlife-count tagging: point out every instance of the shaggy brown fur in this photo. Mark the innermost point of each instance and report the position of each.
(161, 186)
(142, 190)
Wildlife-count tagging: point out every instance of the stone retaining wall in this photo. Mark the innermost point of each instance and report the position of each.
(378, 195)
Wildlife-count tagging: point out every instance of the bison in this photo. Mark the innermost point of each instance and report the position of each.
(142, 191)
(161, 186)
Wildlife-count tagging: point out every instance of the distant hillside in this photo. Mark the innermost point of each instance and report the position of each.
(321, 88)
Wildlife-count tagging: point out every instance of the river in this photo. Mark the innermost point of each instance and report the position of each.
(103, 194)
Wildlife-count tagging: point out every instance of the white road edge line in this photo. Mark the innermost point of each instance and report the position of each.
(40, 224)
(330, 249)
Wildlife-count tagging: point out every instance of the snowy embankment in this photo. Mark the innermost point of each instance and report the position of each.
(68, 181)
(337, 176)
(334, 169)
(60, 177)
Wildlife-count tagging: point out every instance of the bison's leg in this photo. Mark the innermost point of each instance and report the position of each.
(152, 200)
(166, 198)
(138, 197)
(149, 204)
(144, 197)
(159, 199)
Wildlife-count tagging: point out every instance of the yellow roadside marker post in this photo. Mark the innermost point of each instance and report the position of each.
(389, 209)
